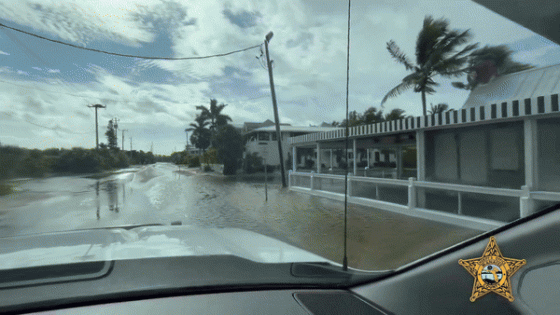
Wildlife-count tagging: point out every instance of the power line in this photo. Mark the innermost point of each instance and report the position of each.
(126, 55)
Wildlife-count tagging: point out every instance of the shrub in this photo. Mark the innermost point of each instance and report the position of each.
(253, 163)
(194, 161)
(207, 168)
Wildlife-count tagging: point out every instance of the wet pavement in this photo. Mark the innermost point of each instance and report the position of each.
(162, 193)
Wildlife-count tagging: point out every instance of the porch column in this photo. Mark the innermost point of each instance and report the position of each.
(420, 167)
(530, 138)
(530, 144)
(367, 151)
(399, 162)
(331, 161)
(420, 155)
(355, 153)
(294, 158)
(318, 158)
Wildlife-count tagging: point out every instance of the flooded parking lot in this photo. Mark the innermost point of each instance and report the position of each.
(163, 194)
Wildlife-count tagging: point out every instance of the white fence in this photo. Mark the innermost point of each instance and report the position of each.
(509, 204)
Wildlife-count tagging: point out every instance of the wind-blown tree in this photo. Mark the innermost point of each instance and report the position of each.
(111, 135)
(439, 108)
(372, 115)
(436, 54)
(488, 62)
(230, 145)
(354, 118)
(214, 114)
(200, 133)
(395, 114)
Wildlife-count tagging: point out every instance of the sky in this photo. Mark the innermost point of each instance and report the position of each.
(45, 87)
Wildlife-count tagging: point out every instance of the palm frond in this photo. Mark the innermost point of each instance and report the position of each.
(398, 55)
(397, 90)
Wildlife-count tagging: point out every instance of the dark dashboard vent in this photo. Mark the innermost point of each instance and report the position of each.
(322, 303)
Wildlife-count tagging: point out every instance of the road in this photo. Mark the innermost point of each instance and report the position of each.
(162, 193)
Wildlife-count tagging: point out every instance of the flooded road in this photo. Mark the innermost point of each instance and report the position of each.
(162, 194)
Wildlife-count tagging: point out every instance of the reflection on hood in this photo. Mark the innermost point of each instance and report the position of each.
(145, 242)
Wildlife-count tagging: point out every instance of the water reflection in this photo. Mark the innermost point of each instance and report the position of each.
(112, 188)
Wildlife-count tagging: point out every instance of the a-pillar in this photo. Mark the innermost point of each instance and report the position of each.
(318, 158)
(530, 138)
(355, 153)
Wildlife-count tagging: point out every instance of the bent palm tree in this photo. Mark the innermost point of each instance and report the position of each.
(439, 108)
(487, 62)
(435, 55)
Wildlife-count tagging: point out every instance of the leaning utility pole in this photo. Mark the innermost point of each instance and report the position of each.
(276, 119)
(116, 126)
(96, 106)
(123, 137)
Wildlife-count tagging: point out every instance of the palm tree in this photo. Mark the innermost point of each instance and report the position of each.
(435, 54)
(214, 114)
(372, 115)
(395, 114)
(201, 135)
(439, 108)
(487, 62)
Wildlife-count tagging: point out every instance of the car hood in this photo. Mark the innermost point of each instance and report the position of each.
(145, 242)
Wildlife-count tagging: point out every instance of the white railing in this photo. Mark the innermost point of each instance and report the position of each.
(525, 196)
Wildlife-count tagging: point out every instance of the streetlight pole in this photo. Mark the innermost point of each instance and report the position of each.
(276, 119)
(96, 106)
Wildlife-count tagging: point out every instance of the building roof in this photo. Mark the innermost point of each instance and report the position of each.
(519, 86)
(248, 126)
(295, 129)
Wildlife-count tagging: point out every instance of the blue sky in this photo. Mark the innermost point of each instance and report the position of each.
(45, 87)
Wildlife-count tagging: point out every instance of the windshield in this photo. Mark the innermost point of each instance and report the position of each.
(120, 113)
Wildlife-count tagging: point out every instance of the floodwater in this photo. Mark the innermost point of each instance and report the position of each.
(162, 194)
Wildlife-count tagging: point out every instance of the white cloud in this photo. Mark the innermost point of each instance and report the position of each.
(308, 49)
(4, 53)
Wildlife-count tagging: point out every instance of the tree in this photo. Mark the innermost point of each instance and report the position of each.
(439, 108)
(488, 62)
(354, 118)
(372, 115)
(395, 114)
(214, 114)
(201, 135)
(111, 135)
(435, 55)
(230, 145)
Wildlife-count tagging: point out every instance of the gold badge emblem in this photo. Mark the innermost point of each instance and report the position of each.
(492, 272)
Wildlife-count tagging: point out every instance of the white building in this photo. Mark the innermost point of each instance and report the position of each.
(263, 141)
(494, 160)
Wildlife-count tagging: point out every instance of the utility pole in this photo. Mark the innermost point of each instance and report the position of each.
(116, 126)
(276, 119)
(123, 137)
(96, 106)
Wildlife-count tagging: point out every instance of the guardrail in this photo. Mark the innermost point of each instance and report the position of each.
(525, 196)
